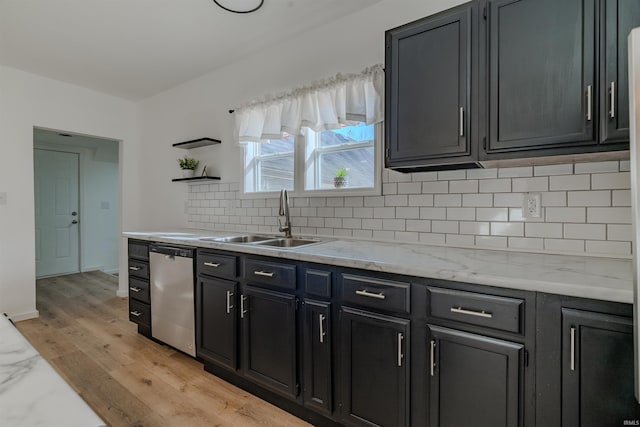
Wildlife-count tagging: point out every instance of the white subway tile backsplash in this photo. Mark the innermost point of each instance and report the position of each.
(614, 181)
(625, 165)
(585, 231)
(585, 209)
(609, 215)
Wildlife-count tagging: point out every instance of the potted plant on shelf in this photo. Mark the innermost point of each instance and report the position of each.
(188, 166)
(340, 179)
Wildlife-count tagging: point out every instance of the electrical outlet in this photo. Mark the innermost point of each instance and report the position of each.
(531, 205)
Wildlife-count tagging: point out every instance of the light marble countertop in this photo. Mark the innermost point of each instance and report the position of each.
(587, 277)
(31, 391)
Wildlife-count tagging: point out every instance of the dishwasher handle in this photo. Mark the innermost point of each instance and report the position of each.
(180, 251)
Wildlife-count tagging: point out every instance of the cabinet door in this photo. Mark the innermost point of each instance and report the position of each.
(541, 61)
(597, 370)
(619, 17)
(317, 379)
(216, 320)
(375, 369)
(428, 75)
(269, 343)
(475, 380)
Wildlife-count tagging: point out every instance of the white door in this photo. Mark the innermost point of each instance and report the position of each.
(56, 211)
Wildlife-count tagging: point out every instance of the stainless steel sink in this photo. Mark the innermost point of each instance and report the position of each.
(288, 242)
(249, 238)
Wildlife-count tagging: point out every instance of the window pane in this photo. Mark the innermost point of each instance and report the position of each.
(276, 146)
(357, 133)
(275, 174)
(359, 162)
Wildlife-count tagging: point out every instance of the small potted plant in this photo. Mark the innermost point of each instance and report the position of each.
(188, 166)
(340, 178)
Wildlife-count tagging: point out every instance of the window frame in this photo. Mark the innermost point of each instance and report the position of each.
(300, 162)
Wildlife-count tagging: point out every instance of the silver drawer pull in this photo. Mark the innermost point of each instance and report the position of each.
(432, 357)
(589, 102)
(242, 310)
(229, 306)
(263, 273)
(212, 264)
(612, 95)
(136, 313)
(366, 293)
(400, 355)
(322, 333)
(461, 310)
(136, 289)
(135, 268)
(572, 362)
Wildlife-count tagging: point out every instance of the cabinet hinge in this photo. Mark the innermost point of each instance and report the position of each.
(526, 358)
(297, 304)
(297, 389)
(484, 13)
(484, 143)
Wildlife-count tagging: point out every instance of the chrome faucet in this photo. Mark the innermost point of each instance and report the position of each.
(284, 211)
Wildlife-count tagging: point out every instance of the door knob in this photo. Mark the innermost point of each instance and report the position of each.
(74, 222)
(74, 213)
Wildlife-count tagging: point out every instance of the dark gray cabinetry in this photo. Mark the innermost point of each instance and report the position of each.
(317, 355)
(428, 90)
(375, 368)
(597, 370)
(139, 295)
(617, 19)
(269, 339)
(541, 88)
(475, 380)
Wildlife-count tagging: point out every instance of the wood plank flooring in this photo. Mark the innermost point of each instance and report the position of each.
(85, 334)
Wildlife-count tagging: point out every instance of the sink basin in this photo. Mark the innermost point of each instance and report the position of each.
(250, 238)
(287, 243)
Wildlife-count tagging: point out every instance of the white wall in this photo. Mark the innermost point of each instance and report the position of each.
(27, 100)
(199, 108)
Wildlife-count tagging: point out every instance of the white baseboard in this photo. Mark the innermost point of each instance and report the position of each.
(122, 294)
(25, 316)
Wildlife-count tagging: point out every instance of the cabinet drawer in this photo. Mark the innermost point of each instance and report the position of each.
(139, 289)
(139, 250)
(213, 264)
(139, 269)
(501, 313)
(139, 312)
(270, 273)
(318, 283)
(376, 293)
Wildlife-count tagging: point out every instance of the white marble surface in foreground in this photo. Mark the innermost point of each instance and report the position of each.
(32, 394)
(587, 277)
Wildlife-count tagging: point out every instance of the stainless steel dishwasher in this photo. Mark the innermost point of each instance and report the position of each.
(172, 302)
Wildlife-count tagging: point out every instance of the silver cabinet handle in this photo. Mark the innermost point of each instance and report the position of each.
(229, 306)
(212, 264)
(481, 313)
(612, 99)
(242, 310)
(461, 123)
(321, 320)
(572, 362)
(136, 313)
(134, 268)
(365, 293)
(589, 102)
(432, 357)
(400, 355)
(135, 289)
(263, 273)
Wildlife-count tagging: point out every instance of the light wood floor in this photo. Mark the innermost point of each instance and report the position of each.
(84, 332)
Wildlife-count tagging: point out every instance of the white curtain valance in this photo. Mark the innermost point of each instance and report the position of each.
(328, 104)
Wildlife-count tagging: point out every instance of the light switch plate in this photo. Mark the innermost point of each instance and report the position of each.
(3, 198)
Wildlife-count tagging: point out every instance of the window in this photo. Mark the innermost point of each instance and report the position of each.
(307, 164)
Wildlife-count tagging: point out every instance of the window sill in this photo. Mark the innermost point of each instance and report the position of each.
(343, 192)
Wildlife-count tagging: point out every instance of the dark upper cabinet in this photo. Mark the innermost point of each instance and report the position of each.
(317, 372)
(428, 90)
(540, 82)
(475, 380)
(597, 370)
(269, 339)
(375, 369)
(617, 19)
(216, 320)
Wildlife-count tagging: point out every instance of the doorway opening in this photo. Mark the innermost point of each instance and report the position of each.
(76, 187)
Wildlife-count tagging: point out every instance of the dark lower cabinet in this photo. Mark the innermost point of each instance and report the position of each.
(216, 321)
(597, 370)
(317, 352)
(474, 380)
(375, 369)
(269, 339)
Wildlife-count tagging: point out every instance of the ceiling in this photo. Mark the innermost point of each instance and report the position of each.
(137, 48)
